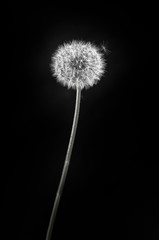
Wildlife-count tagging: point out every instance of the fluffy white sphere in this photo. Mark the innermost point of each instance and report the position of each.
(78, 64)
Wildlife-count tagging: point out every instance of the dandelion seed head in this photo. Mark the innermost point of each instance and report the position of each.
(78, 64)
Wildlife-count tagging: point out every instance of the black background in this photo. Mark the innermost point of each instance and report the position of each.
(111, 190)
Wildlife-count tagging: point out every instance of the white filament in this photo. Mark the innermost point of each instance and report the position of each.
(78, 64)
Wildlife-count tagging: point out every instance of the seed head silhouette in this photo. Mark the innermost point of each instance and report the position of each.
(77, 65)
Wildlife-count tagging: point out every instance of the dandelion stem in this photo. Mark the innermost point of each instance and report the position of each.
(66, 165)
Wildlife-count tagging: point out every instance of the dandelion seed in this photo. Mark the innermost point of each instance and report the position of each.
(78, 64)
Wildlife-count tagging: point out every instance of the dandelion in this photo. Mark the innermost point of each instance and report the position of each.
(77, 65)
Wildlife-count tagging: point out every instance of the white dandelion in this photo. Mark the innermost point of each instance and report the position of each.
(76, 65)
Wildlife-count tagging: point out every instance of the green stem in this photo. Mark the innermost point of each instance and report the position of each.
(66, 165)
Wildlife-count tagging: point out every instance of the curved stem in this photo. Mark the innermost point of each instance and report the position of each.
(66, 165)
